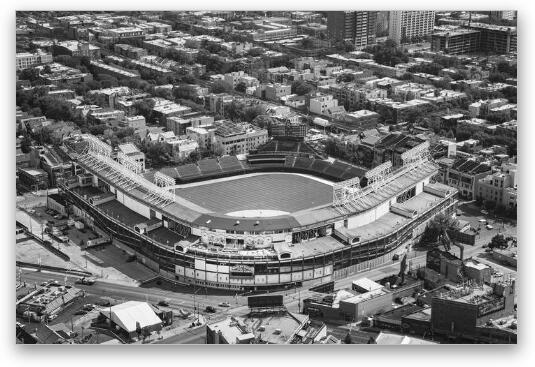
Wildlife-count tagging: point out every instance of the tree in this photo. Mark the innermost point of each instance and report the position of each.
(185, 91)
(250, 113)
(497, 77)
(26, 144)
(254, 52)
(158, 153)
(498, 241)
(145, 108)
(263, 121)
(189, 79)
(241, 87)
(107, 81)
(164, 93)
(96, 99)
(220, 86)
(440, 223)
(98, 129)
(301, 87)
(31, 74)
(388, 53)
(347, 339)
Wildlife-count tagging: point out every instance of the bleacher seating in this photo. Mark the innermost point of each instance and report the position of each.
(270, 146)
(353, 172)
(170, 171)
(209, 166)
(188, 171)
(305, 148)
(229, 164)
(290, 161)
(287, 147)
(303, 163)
(319, 165)
(263, 161)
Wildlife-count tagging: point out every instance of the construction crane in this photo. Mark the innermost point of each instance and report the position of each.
(446, 241)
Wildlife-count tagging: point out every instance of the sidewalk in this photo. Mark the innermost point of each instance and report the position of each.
(173, 331)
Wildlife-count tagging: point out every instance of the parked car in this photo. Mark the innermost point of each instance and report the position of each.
(224, 304)
(81, 312)
(488, 226)
(86, 281)
(210, 309)
(395, 257)
(163, 303)
(88, 307)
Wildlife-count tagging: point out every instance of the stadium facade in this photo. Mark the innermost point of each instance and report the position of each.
(187, 242)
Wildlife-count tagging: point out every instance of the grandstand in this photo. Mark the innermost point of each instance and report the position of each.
(296, 220)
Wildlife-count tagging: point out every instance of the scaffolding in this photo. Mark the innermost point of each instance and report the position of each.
(349, 197)
(376, 176)
(130, 163)
(416, 156)
(163, 180)
(96, 155)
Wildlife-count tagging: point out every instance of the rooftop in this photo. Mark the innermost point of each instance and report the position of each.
(270, 329)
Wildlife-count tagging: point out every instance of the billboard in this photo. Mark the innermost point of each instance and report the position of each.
(265, 301)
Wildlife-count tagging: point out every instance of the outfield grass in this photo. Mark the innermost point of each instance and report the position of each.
(273, 191)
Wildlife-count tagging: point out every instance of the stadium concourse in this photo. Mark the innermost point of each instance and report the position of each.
(280, 217)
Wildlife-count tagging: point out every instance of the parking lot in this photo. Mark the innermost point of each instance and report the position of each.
(472, 214)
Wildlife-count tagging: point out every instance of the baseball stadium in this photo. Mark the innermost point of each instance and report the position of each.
(280, 217)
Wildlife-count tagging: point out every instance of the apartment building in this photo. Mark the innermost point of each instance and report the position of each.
(464, 175)
(205, 137)
(25, 60)
(359, 27)
(409, 26)
(76, 49)
(500, 187)
(113, 70)
(326, 105)
(234, 138)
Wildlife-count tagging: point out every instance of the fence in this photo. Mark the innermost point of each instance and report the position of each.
(367, 265)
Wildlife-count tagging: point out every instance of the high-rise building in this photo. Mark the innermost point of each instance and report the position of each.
(409, 26)
(495, 16)
(359, 27)
(382, 23)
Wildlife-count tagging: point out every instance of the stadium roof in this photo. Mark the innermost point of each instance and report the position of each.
(247, 225)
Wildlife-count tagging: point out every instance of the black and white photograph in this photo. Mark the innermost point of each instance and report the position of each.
(276, 177)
